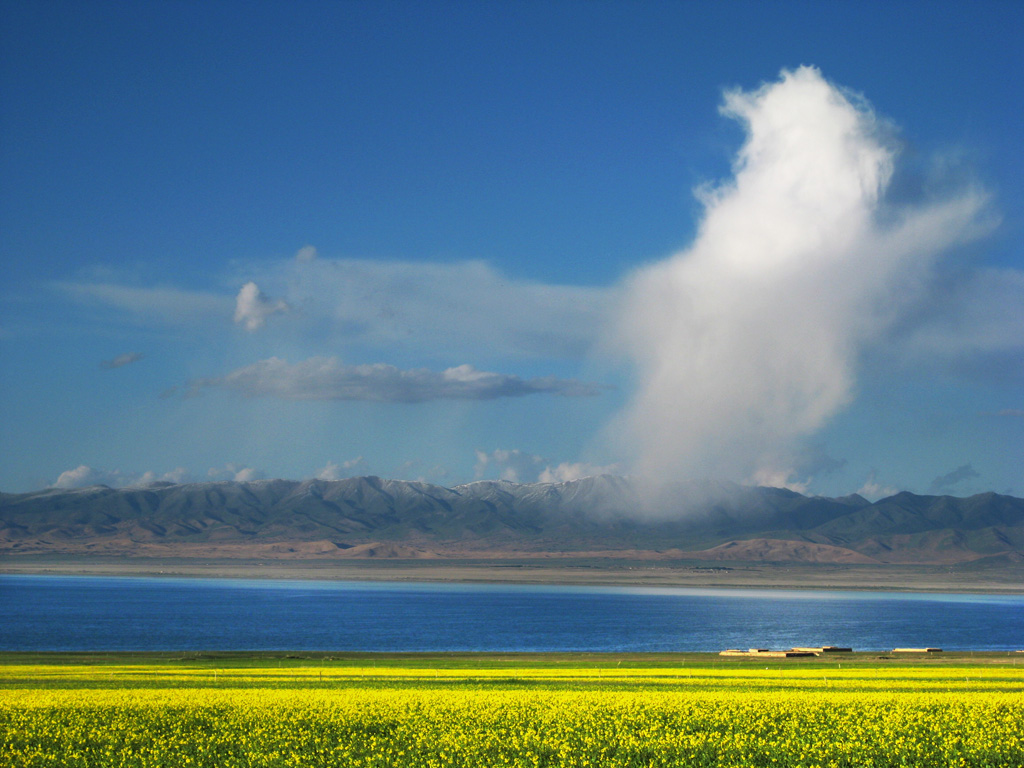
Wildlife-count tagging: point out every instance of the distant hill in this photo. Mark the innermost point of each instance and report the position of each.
(607, 516)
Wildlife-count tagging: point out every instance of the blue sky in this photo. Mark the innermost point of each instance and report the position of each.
(326, 239)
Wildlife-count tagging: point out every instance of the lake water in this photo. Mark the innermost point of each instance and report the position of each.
(52, 613)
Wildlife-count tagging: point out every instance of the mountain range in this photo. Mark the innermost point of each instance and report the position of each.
(600, 516)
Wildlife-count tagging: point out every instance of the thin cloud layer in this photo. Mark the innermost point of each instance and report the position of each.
(149, 305)
(750, 341)
(513, 465)
(121, 360)
(327, 378)
(467, 307)
(971, 318)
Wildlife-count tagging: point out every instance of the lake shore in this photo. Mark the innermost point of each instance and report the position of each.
(621, 661)
(549, 571)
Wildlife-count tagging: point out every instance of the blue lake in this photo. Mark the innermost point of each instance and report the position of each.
(53, 613)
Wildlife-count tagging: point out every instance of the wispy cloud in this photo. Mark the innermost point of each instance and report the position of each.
(969, 317)
(238, 473)
(253, 307)
(807, 462)
(519, 466)
(950, 480)
(779, 478)
(466, 307)
(350, 468)
(873, 490)
(513, 465)
(152, 305)
(568, 471)
(121, 360)
(421, 471)
(327, 378)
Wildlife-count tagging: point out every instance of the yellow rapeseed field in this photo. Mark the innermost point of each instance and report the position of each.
(100, 716)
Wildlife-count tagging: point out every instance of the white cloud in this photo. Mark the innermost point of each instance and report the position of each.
(306, 254)
(238, 473)
(350, 468)
(768, 478)
(470, 309)
(872, 490)
(83, 476)
(567, 472)
(177, 475)
(513, 465)
(326, 378)
(749, 341)
(806, 462)
(121, 360)
(520, 467)
(252, 307)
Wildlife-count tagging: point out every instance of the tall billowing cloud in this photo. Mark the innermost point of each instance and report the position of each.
(749, 341)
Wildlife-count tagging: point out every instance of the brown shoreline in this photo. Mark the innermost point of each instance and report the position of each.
(553, 571)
